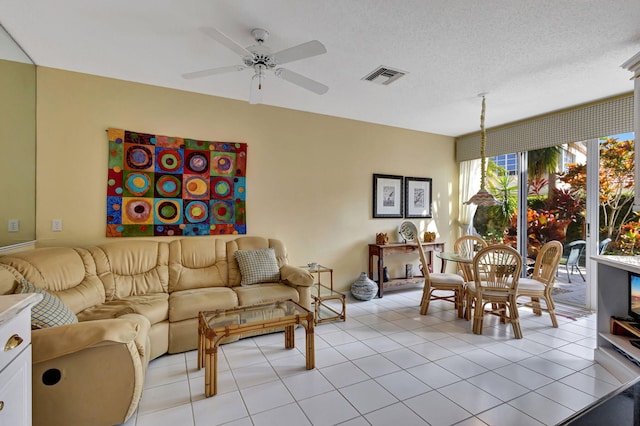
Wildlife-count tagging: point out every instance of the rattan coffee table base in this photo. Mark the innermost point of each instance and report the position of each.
(211, 334)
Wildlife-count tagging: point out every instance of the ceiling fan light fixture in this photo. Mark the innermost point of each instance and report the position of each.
(260, 58)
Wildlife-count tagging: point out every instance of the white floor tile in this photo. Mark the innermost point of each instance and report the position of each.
(290, 365)
(403, 385)
(564, 358)
(355, 350)
(181, 415)
(455, 345)
(601, 373)
(523, 376)
(508, 352)
(541, 408)
(363, 333)
(405, 358)
(382, 344)
(253, 375)
(506, 415)
(165, 373)
(546, 367)
(287, 415)
(437, 409)
(339, 338)
(498, 386)
(308, 384)
(376, 365)
(344, 374)
(566, 395)
(431, 350)
(589, 384)
(219, 409)
(367, 396)
(266, 396)
(470, 397)
(226, 384)
(486, 359)
(461, 367)
(433, 375)
(328, 409)
(164, 396)
(396, 414)
(328, 356)
(358, 421)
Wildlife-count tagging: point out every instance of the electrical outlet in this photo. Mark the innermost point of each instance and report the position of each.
(56, 225)
(14, 225)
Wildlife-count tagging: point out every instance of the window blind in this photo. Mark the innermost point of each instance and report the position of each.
(597, 119)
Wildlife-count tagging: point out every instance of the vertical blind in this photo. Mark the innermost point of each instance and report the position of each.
(606, 117)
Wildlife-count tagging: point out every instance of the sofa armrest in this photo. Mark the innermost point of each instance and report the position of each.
(54, 342)
(296, 276)
(91, 372)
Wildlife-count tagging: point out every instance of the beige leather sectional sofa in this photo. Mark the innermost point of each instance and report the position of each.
(135, 300)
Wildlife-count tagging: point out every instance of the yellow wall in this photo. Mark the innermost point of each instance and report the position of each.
(309, 176)
(17, 151)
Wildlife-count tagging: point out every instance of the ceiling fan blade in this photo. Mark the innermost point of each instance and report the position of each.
(302, 81)
(301, 51)
(255, 96)
(226, 41)
(212, 71)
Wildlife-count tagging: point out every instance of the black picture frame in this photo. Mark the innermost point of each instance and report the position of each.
(417, 197)
(388, 196)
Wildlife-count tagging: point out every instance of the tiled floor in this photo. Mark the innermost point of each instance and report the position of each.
(388, 365)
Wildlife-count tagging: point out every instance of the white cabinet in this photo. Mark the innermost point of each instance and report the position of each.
(15, 359)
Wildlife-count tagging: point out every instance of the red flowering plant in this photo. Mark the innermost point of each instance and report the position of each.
(542, 226)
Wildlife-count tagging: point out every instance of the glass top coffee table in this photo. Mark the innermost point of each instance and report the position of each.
(215, 326)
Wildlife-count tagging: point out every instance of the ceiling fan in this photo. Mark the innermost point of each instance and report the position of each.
(260, 59)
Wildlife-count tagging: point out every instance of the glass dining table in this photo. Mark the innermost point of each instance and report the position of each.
(465, 263)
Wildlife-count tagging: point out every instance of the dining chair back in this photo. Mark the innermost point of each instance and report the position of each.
(453, 284)
(496, 271)
(540, 285)
(468, 246)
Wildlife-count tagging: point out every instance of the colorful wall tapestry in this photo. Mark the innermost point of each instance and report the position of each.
(161, 185)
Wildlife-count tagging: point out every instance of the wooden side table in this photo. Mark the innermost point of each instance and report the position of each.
(382, 250)
(321, 294)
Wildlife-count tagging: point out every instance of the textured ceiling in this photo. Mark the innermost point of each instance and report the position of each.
(529, 57)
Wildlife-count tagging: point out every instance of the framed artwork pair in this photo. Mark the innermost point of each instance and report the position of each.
(398, 196)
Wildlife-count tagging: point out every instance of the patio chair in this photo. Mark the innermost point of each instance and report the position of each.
(575, 250)
(540, 285)
(602, 247)
(496, 272)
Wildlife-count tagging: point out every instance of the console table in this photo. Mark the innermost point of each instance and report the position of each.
(382, 250)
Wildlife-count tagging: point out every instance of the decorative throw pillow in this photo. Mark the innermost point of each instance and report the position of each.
(258, 266)
(50, 311)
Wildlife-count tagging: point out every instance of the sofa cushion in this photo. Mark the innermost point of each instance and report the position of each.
(155, 307)
(187, 304)
(197, 263)
(265, 293)
(258, 266)
(50, 311)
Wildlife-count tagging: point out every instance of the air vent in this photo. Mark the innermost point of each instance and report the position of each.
(384, 75)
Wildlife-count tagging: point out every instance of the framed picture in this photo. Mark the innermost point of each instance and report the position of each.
(387, 196)
(417, 195)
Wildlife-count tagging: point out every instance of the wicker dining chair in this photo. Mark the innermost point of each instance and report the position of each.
(541, 283)
(452, 283)
(496, 273)
(468, 246)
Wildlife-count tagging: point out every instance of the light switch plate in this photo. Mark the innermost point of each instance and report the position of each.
(56, 225)
(14, 225)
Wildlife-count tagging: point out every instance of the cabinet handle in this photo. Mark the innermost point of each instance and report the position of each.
(13, 342)
(1, 405)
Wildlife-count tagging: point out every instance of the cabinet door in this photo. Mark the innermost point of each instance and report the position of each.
(15, 391)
